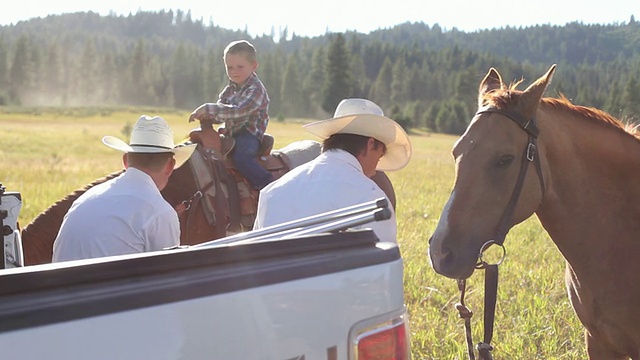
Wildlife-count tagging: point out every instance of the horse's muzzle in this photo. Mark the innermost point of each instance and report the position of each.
(447, 263)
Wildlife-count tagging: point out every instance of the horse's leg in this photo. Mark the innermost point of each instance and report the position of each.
(598, 350)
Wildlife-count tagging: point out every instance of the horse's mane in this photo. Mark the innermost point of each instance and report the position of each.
(502, 98)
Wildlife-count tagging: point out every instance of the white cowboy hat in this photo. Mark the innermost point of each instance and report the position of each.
(364, 117)
(152, 135)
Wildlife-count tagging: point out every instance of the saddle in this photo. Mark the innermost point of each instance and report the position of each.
(228, 144)
(221, 183)
(273, 161)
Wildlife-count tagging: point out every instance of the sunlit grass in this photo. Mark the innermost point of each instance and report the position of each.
(45, 154)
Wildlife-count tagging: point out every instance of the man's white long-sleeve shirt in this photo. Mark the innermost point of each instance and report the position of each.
(124, 215)
(333, 180)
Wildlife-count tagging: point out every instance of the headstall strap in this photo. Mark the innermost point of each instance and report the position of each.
(528, 125)
(491, 270)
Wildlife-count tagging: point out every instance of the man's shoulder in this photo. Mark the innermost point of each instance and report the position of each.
(95, 191)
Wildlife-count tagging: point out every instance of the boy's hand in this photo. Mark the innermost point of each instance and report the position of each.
(199, 114)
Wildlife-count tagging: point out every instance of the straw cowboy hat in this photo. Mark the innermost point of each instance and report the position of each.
(364, 117)
(152, 135)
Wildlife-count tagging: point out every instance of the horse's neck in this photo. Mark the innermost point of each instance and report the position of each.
(38, 236)
(585, 158)
(592, 196)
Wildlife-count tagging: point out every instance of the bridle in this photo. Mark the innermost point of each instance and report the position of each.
(491, 270)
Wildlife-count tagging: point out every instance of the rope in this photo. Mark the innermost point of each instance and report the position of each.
(465, 314)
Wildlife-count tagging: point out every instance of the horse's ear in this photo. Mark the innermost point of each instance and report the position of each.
(492, 81)
(532, 95)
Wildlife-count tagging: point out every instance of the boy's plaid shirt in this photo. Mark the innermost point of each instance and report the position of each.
(243, 107)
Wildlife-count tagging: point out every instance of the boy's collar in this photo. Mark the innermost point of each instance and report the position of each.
(249, 80)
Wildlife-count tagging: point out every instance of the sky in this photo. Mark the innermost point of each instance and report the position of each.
(316, 17)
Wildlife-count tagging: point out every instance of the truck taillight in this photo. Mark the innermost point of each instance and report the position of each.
(386, 340)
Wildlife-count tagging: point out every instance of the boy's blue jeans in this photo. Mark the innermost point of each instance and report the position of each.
(244, 158)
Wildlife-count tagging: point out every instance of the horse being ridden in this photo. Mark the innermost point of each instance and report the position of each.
(216, 192)
(582, 185)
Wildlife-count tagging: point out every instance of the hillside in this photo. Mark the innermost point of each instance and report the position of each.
(421, 74)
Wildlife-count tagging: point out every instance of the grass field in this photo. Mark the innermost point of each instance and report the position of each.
(47, 154)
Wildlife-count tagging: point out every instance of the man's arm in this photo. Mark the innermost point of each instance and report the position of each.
(163, 231)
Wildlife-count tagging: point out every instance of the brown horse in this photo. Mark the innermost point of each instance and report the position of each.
(582, 185)
(207, 193)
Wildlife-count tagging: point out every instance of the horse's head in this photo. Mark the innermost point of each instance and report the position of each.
(499, 177)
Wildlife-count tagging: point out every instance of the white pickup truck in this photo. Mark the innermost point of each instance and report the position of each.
(303, 290)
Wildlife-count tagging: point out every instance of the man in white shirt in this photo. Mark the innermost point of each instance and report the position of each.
(127, 214)
(358, 140)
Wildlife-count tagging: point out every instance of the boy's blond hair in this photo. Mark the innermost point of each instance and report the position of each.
(241, 47)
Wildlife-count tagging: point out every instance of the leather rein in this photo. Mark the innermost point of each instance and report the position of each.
(491, 270)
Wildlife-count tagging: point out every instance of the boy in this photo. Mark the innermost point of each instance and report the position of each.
(243, 107)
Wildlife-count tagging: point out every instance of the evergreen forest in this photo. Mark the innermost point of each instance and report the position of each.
(422, 75)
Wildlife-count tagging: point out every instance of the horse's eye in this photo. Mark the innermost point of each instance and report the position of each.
(505, 160)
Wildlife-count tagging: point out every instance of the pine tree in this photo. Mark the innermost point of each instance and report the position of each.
(214, 75)
(443, 120)
(631, 99)
(87, 81)
(466, 92)
(399, 81)
(613, 102)
(187, 82)
(67, 69)
(431, 116)
(4, 71)
(52, 76)
(20, 72)
(293, 102)
(159, 83)
(136, 90)
(452, 118)
(270, 72)
(37, 68)
(337, 85)
(460, 119)
(381, 89)
(416, 86)
(360, 82)
(314, 81)
(108, 79)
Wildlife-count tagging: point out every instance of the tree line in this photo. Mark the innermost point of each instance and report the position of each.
(422, 76)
